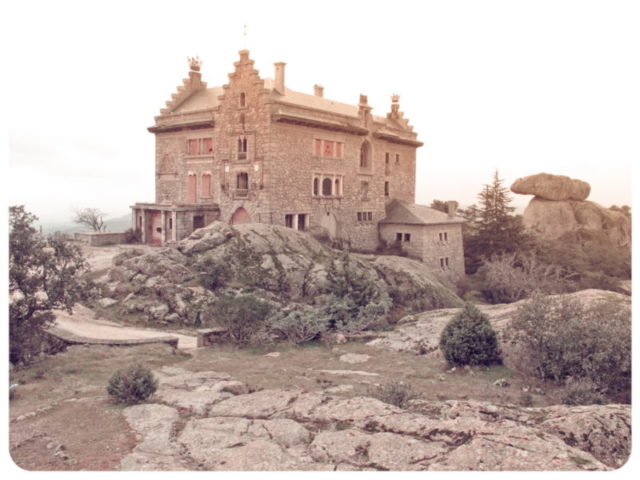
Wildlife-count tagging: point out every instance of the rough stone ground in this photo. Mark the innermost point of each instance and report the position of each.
(209, 421)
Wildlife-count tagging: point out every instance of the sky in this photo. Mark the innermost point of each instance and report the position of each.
(519, 86)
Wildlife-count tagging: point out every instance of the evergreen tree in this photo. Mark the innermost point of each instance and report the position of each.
(496, 230)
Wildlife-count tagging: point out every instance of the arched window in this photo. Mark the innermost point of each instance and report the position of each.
(365, 155)
(243, 100)
(316, 186)
(326, 187)
(242, 181)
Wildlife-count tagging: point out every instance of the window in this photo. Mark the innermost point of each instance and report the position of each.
(302, 221)
(243, 100)
(337, 190)
(288, 221)
(170, 223)
(443, 236)
(198, 221)
(407, 237)
(206, 185)
(403, 237)
(444, 263)
(326, 187)
(316, 186)
(365, 155)
(200, 146)
(386, 189)
(242, 181)
(364, 217)
(398, 237)
(386, 158)
(364, 191)
(397, 159)
(242, 148)
(191, 188)
(327, 148)
(296, 220)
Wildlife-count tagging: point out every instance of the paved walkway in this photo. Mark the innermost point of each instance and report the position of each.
(83, 324)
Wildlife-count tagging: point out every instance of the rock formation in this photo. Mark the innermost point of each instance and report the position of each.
(293, 429)
(279, 264)
(552, 187)
(559, 209)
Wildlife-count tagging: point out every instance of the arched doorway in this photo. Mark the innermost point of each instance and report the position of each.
(240, 216)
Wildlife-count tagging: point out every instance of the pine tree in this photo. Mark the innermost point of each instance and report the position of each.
(496, 229)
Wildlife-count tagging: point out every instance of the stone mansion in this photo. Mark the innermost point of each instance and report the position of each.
(255, 151)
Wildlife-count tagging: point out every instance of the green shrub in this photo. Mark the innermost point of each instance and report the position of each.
(469, 339)
(356, 301)
(394, 392)
(242, 316)
(132, 385)
(213, 274)
(558, 338)
(299, 326)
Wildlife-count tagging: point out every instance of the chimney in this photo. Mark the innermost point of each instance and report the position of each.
(452, 208)
(194, 71)
(318, 90)
(279, 84)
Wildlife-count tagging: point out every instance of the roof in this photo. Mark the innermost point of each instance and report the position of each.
(200, 100)
(414, 214)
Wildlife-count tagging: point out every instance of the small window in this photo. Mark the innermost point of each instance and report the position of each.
(443, 236)
(316, 186)
(302, 221)
(386, 189)
(370, 216)
(192, 147)
(243, 100)
(397, 159)
(398, 237)
(242, 181)
(206, 185)
(326, 187)
(198, 221)
(365, 155)
(242, 148)
(386, 158)
(207, 146)
(359, 216)
(170, 223)
(337, 185)
(444, 263)
(407, 237)
(288, 221)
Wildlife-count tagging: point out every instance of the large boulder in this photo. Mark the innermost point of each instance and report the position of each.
(552, 187)
(556, 219)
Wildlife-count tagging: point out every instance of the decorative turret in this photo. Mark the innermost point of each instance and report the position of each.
(396, 114)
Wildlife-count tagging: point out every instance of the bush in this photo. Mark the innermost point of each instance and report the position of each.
(394, 392)
(559, 338)
(242, 316)
(511, 277)
(132, 385)
(582, 392)
(469, 339)
(213, 274)
(299, 326)
(132, 236)
(356, 302)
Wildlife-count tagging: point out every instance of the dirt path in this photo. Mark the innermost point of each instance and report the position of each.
(84, 324)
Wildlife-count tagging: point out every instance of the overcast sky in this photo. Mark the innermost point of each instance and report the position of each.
(519, 86)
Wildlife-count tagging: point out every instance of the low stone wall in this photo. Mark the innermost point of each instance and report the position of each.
(59, 339)
(98, 239)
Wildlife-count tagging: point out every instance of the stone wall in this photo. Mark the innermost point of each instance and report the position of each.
(98, 239)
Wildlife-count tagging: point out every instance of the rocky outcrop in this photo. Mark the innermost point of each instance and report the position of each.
(420, 333)
(281, 265)
(291, 429)
(578, 221)
(552, 187)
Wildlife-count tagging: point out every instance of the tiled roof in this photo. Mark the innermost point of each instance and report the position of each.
(412, 213)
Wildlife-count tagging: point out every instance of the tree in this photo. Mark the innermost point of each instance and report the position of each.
(496, 229)
(44, 274)
(91, 217)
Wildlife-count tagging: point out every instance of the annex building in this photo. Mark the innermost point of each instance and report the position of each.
(253, 150)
